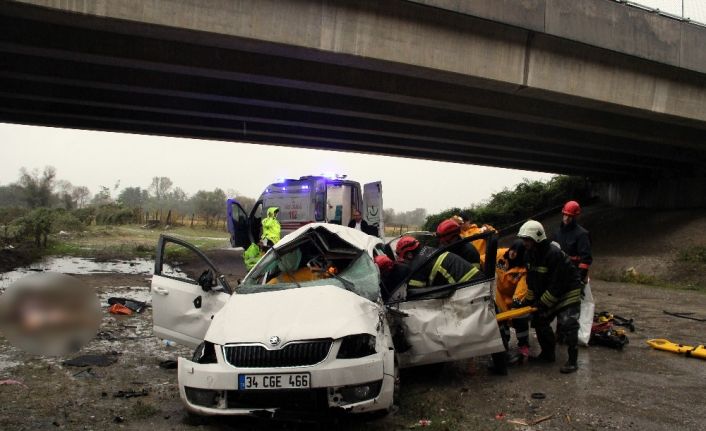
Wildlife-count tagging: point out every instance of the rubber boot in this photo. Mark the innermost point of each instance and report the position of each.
(498, 366)
(547, 342)
(571, 365)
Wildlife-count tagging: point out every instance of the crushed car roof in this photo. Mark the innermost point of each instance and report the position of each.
(352, 236)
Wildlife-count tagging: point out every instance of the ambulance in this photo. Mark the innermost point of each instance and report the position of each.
(309, 199)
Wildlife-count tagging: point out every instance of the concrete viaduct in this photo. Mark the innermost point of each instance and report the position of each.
(592, 88)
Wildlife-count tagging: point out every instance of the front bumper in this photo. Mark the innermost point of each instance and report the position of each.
(212, 389)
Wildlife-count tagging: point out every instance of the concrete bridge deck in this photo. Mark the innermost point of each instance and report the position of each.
(584, 88)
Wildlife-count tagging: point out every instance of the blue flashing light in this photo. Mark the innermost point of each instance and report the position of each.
(267, 190)
(305, 187)
(284, 189)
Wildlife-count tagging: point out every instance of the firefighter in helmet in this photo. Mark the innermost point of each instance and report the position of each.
(574, 240)
(449, 233)
(446, 268)
(554, 285)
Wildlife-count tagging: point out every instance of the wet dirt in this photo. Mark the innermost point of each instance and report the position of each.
(637, 388)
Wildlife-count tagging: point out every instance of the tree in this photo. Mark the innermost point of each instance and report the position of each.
(245, 201)
(209, 204)
(80, 194)
(12, 195)
(133, 197)
(160, 187)
(102, 197)
(38, 189)
(64, 194)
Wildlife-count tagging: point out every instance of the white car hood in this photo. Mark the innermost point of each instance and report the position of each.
(293, 314)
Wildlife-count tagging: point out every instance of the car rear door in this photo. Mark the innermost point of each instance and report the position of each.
(182, 308)
(372, 207)
(447, 323)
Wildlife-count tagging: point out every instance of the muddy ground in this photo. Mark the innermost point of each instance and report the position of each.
(637, 388)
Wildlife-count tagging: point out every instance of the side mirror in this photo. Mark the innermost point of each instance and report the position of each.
(206, 280)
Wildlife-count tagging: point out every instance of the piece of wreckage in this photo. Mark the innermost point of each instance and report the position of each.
(311, 327)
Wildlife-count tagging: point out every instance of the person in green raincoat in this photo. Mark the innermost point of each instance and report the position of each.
(271, 228)
(252, 256)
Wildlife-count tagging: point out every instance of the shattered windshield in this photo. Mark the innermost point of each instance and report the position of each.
(315, 260)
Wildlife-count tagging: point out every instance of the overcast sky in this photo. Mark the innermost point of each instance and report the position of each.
(100, 158)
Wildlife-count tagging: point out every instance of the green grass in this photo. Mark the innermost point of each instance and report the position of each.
(128, 241)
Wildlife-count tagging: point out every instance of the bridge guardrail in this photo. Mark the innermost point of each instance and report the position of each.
(693, 11)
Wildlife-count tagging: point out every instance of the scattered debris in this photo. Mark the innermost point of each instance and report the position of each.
(131, 393)
(538, 395)
(526, 422)
(168, 364)
(683, 315)
(500, 416)
(118, 419)
(134, 305)
(88, 360)
(119, 309)
(424, 422)
(12, 382)
(87, 373)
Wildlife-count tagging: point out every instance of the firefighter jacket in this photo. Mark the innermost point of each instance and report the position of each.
(466, 251)
(480, 243)
(553, 281)
(446, 268)
(271, 229)
(510, 283)
(575, 241)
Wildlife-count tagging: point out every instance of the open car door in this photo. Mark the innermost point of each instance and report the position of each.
(183, 305)
(238, 224)
(451, 322)
(372, 203)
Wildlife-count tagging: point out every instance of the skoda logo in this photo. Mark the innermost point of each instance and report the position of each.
(274, 340)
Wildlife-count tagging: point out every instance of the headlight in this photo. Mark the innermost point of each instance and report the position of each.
(205, 353)
(356, 346)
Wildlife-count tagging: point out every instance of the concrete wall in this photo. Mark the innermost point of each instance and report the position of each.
(601, 23)
(663, 193)
(535, 54)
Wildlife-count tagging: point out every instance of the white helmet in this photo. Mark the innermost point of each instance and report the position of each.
(533, 230)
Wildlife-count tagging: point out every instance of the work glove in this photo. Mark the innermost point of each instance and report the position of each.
(518, 303)
(584, 275)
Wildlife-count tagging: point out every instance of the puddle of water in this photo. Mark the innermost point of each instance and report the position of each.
(81, 265)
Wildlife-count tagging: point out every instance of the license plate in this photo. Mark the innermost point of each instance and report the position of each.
(274, 381)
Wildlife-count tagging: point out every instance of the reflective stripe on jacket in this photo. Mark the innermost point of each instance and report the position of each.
(447, 268)
(551, 277)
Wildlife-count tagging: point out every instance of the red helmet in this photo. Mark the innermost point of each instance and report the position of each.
(448, 229)
(571, 208)
(384, 263)
(405, 245)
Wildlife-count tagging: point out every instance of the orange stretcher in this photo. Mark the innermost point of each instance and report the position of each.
(662, 344)
(515, 312)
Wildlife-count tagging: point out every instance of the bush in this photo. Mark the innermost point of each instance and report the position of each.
(114, 214)
(85, 215)
(65, 221)
(35, 225)
(529, 199)
(8, 214)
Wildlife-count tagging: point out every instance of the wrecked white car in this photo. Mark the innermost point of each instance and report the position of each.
(308, 329)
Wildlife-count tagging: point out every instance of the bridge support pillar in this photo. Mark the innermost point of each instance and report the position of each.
(670, 193)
